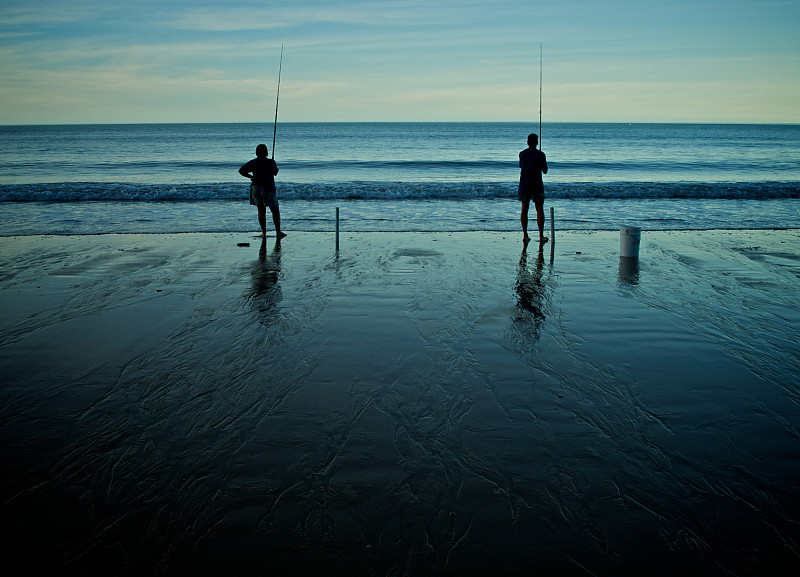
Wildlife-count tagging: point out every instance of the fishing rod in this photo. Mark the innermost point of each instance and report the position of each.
(277, 99)
(540, 96)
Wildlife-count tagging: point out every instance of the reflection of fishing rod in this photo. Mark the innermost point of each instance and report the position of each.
(540, 96)
(277, 99)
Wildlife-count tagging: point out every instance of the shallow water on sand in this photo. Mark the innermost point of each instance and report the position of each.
(416, 404)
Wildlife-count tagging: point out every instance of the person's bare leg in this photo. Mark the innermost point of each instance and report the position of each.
(540, 220)
(262, 219)
(523, 218)
(276, 220)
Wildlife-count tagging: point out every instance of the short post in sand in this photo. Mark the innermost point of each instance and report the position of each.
(337, 229)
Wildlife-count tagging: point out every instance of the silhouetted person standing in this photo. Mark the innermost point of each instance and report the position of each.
(532, 164)
(261, 171)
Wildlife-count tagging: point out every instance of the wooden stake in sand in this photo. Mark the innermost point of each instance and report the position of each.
(337, 229)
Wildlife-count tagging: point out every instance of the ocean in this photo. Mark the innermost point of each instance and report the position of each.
(399, 177)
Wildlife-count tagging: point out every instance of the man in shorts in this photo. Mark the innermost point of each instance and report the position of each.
(261, 171)
(532, 164)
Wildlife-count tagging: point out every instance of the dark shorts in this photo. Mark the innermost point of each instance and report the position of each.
(528, 193)
(262, 197)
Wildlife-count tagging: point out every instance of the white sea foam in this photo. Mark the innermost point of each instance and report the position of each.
(384, 190)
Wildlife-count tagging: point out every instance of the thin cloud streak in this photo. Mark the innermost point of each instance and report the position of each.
(387, 15)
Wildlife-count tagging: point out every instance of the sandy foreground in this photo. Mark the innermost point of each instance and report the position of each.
(415, 404)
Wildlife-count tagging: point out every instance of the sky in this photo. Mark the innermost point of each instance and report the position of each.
(106, 61)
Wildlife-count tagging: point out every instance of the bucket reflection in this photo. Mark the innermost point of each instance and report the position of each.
(628, 270)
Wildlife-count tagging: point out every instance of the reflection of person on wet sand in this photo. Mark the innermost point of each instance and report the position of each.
(530, 288)
(265, 290)
(532, 164)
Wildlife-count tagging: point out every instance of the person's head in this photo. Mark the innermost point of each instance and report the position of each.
(533, 140)
(261, 151)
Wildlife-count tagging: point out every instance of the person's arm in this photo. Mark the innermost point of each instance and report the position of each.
(544, 163)
(275, 166)
(245, 171)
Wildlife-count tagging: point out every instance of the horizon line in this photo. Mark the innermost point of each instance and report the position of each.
(710, 123)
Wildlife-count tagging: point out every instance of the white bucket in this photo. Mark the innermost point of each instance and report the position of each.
(629, 239)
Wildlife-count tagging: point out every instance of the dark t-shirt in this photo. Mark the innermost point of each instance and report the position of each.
(263, 171)
(532, 163)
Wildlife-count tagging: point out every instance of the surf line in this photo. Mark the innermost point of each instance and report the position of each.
(277, 100)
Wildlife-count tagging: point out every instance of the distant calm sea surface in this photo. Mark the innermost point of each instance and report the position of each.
(94, 179)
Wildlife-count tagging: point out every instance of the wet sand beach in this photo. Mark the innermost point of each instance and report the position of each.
(415, 404)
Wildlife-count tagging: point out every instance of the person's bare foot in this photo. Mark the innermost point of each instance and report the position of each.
(543, 239)
(526, 239)
(281, 235)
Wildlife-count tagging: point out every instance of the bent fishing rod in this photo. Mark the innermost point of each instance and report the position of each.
(540, 96)
(277, 100)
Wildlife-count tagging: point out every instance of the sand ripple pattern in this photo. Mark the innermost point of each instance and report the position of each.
(435, 404)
